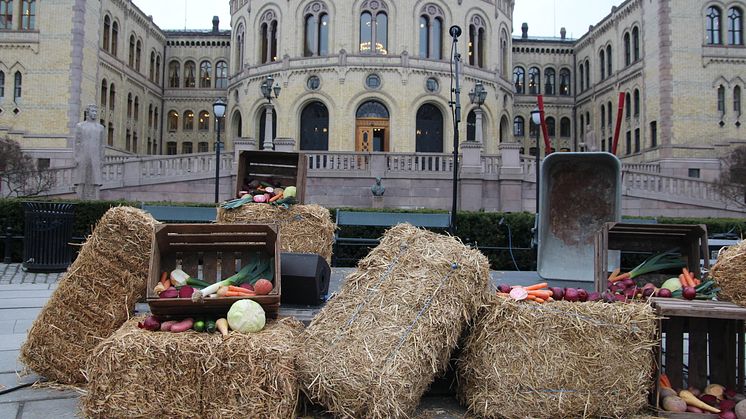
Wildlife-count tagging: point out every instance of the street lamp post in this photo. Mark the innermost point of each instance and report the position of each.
(477, 97)
(536, 119)
(218, 109)
(268, 90)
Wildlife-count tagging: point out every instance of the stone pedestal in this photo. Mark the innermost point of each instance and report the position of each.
(471, 179)
(511, 178)
(284, 144)
(377, 202)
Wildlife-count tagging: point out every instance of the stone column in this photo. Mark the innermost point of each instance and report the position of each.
(472, 182)
(240, 145)
(284, 144)
(511, 178)
(479, 129)
(268, 133)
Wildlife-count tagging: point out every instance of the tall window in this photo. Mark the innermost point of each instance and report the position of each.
(173, 121)
(186, 148)
(114, 38)
(629, 142)
(636, 42)
(609, 66)
(317, 30)
(131, 56)
(188, 121)
(314, 127)
(627, 49)
(735, 26)
(112, 97)
(17, 88)
(110, 135)
(603, 117)
(6, 14)
(221, 75)
(204, 121)
(519, 80)
(157, 78)
(205, 74)
(550, 126)
(151, 74)
(28, 15)
(654, 134)
(712, 20)
(628, 105)
(518, 126)
(565, 127)
(587, 74)
(534, 81)
(189, 71)
(637, 140)
(582, 77)
(129, 105)
(2, 84)
(374, 28)
(150, 115)
(736, 100)
(721, 99)
(477, 44)
(268, 36)
(136, 112)
(637, 102)
(549, 81)
(171, 148)
(564, 84)
(504, 53)
(107, 29)
(138, 54)
(582, 126)
(240, 42)
(173, 74)
(602, 63)
(429, 129)
(608, 114)
(431, 31)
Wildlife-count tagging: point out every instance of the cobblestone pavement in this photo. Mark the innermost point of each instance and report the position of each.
(12, 274)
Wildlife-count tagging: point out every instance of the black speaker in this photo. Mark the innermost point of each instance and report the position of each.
(305, 278)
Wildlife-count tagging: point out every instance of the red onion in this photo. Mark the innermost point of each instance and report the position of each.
(150, 323)
(594, 296)
(502, 288)
(689, 293)
(571, 294)
(557, 293)
(582, 295)
(170, 292)
(664, 293)
(186, 292)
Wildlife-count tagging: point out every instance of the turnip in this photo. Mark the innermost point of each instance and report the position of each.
(571, 294)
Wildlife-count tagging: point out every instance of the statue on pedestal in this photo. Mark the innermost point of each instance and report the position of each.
(378, 189)
(89, 155)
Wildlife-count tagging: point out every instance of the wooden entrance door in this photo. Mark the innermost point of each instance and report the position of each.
(372, 134)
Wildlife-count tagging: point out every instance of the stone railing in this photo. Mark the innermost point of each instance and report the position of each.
(419, 163)
(670, 188)
(328, 161)
(643, 167)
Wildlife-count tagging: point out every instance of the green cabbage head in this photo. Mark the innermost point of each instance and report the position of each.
(246, 316)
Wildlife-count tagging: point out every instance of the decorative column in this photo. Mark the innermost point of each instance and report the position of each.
(479, 129)
(268, 133)
(472, 180)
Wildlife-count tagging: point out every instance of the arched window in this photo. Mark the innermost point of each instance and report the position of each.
(565, 127)
(221, 75)
(429, 131)
(28, 15)
(471, 126)
(712, 19)
(104, 92)
(237, 122)
(608, 113)
(551, 126)
(737, 100)
(173, 121)
(317, 30)
(6, 14)
(518, 126)
(131, 56)
(587, 74)
(129, 105)
(374, 28)
(564, 84)
(189, 74)
(151, 74)
(240, 42)
(431, 31)
(636, 42)
(519, 80)
(609, 66)
(603, 116)
(627, 50)
(549, 81)
(477, 44)
(204, 121)
(582, 76)
(138, 54)
(533, 129)
(156, 122)
(136, 112)
(268, 36)
(735, 26)
(314, 127)
(628, 106)
(17, 87)
(188, 121)
(504, 53)
(602, 63)
(107, 28)
(205, 74)
(114, 38)
(150, 115)
(157, 78)
(112, 97)
(721, 99)
(110, 135)
(173, 74)
(534, 81)
(637, 102)
(2, 84)
(503, 129)
(582, 125)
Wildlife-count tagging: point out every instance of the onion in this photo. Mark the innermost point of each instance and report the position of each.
(648, 292)
(557, 293)
(664, 293)
(629, 283)
(503, 288)
(150, 323)
(571, 294)
(582, 295)
(594, 296)
(170, 292)
(186, 292)
(727, 405)
(709, 399)
(608, 297)
(689, 293)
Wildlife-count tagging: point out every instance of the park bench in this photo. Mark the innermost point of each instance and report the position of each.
(176, 214)
(380, 219)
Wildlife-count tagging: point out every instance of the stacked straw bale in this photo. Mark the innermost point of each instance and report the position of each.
(558, 360)
(730, 274)
(137, 373)
(303, 228)
(94, 298)
(377, 345)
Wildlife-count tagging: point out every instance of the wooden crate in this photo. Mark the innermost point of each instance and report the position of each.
(207, 252)
(702, 343)
(691, 239)
(275, 167)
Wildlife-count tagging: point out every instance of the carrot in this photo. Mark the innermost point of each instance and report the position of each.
(539, 300)
(531, 297)
(239, 289)
(620, 277)
(541, 293)
(238, 294)
(164, 280)
(683, 280)
(690, 277)
(276, 197)
(664, 381)
(536, 286)
(613, 275)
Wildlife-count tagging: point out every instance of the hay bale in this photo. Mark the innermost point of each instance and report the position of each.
(94, 298)
(303, 228)
(730, 274)
(141, 374)
(558, 360)
(376, 346)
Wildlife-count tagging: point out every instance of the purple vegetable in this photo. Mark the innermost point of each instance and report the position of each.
(648, 292)
(689, 293)
(618, 287)
(628, 283)
(557, 293)
(629, 293)
(582, 295)
(620, 298)
(186, 292)
(594, 296)
(150, 323)
(608, 297)
(166, 326)
(664, 293)
(170, 292)
(571, 294)
(503, 288)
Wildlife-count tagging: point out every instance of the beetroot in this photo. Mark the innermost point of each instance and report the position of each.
(594, 296)
(664, 293)
(170, 292)
(558, 293)
(186, 292)
(727, 405)
(709, 399)
(571, 294)
(582, 295)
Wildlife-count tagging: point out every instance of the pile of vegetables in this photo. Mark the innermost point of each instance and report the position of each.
(726, 403)
(684, 286)
(541, 293)
(263, 193)
(244, 316)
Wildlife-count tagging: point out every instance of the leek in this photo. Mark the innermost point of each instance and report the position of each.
(250, 272)
(659, 262)
(180, 278)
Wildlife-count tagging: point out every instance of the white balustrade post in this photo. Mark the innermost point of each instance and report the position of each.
(472, 181)
(511, 178)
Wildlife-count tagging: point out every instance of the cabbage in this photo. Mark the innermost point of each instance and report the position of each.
(246, 316)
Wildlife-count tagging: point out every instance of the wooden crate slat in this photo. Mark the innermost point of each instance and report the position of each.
(209, 267)
(233, 247)
(190, 263)
(718, 341)
(730, 354)
(740, 353)
(697, 352)
(227, 264)
(674, 352)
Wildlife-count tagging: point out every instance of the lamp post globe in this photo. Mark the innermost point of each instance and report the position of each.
(218, 109)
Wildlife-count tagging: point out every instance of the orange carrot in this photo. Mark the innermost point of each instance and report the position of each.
(689, 276)
(536, 286)
(697, 282)
(541, 293)
(531, 297)
(539, 300)
(276, 197)
(620, 277)
(238, 294)
(613, 275)
(664, 381)
(234, 288)
(683, 280)
(164, 280)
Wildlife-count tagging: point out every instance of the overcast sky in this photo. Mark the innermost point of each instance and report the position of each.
(544, 17)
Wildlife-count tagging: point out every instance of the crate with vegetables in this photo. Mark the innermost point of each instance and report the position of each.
(202, 269)
(277, 171)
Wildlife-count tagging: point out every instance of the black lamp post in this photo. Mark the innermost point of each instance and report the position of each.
(218, 109)
(267, 90)
(536, 119)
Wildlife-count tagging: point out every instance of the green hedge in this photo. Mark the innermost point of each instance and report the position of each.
(480, 229)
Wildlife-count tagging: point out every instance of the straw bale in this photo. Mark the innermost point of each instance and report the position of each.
(137, 373)
(303, 228)
(558, 360)
(376, 346)
(94, 298)
(730, 274)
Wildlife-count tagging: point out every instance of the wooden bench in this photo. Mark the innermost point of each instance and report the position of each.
(381, 219)
(176, 214)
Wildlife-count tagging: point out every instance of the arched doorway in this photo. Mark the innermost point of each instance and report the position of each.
(237, 124)
(262, 127)
(429, 132)
(314, 127)
(372, 127)
(503, 128)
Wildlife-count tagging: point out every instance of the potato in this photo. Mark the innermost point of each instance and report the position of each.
(674, 404)
(666, 391)
(741, 409)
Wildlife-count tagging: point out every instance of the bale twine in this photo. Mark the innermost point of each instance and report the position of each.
(137, 373)
(377, 345)
(730, 274)
(303, 228)
(94, 298)
(558, 360)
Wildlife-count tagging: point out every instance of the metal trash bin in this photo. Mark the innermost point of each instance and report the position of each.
(48, 230)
